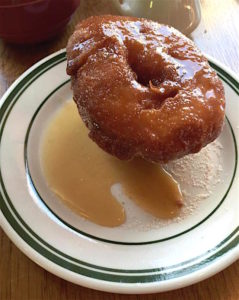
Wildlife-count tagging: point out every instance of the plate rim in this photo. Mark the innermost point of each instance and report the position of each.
(106, 285)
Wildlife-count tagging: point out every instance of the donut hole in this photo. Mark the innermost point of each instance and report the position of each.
(156, 75)
(144, 76)
(158, 84)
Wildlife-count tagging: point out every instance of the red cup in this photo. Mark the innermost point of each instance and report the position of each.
(26, 21)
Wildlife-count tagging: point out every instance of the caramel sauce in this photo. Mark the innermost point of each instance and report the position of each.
(81, 175)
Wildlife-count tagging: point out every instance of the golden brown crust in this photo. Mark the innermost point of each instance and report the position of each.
(143, 89)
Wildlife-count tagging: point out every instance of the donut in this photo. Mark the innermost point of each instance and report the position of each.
(143, 89)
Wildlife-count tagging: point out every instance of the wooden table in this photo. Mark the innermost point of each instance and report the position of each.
(20, 278)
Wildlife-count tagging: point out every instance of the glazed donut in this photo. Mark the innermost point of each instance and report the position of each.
(143, 89)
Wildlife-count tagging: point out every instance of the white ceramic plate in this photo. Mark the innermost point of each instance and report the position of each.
(144, 255)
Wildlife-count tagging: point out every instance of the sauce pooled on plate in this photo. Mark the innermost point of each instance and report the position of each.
(81, 175)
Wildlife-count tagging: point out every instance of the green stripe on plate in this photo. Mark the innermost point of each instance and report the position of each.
(130, 276)
(226, 77)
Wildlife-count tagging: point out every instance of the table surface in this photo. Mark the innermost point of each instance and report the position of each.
(20, 278)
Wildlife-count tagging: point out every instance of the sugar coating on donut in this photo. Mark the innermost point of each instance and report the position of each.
(143, 89)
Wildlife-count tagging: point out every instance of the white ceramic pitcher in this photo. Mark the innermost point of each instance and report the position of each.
(184, 15)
